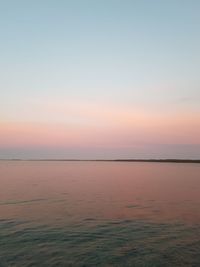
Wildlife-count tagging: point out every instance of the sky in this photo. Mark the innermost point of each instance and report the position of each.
(91, 79)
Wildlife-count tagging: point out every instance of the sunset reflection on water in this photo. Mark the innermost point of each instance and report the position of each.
(62, 191)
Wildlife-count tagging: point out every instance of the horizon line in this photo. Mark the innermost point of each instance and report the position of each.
(164, 160)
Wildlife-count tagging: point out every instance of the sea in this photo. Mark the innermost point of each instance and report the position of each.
(99, 213)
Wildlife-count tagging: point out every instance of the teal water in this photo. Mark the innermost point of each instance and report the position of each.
(99, 214)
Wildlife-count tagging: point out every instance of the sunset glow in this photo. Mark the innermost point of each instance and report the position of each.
(116, 82)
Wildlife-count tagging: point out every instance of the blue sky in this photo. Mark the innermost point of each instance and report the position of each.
(142, 56)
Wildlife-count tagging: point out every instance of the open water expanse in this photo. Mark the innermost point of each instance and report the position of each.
(57, 213)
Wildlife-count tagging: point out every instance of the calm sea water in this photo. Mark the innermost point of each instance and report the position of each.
(99, 214)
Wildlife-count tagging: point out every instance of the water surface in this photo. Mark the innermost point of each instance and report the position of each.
(99, 214)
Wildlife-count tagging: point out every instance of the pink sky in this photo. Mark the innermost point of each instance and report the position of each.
(85, 126)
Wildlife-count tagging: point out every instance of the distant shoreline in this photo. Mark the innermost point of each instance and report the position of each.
(115, 160)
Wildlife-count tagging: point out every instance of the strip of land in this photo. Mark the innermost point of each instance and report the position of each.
(115, 160)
